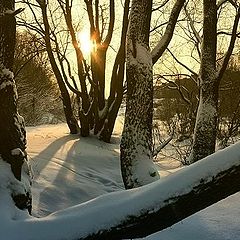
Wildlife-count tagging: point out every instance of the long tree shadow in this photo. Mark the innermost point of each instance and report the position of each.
(71, 175)
(41, 160)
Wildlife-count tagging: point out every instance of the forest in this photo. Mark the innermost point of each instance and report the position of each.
(118, 119)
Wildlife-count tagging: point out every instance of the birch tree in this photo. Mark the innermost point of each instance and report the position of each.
(136, 144)
(210, 76)
(12, 129)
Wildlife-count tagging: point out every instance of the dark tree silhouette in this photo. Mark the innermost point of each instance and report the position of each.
(12, 129)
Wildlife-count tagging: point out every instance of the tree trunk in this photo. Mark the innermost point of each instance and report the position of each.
(206, 122)
(110, 120)
(136, 143)
(70, 118)
(98, 67)
(12, 129)
(116, 89)
(84, 103)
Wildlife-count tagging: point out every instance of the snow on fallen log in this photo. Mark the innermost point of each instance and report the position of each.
(136, 212)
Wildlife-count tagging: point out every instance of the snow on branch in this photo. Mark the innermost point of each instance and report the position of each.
(6, 78)
(10, 12)
(132, 213)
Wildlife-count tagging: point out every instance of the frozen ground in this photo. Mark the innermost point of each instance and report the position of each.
(69, 170)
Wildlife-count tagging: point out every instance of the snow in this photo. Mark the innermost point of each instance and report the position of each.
(6, 72)
(9, 12)
(5, 84)
(8, 184)
(143, 168)
(8, 79)
(68, 171)
(85, 166)
(143, 55)
(17, 152)
(206, 115)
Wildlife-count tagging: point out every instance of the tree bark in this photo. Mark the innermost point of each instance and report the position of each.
(136, 143)
(85, 103)
(206, 122)
(12, 129)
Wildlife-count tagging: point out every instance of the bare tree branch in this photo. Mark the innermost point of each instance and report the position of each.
(221, 2)
(111, 25)
(182, 64)
(230, 47)
(162, 145)
(161, 5)
(194, 30)
(167, 36)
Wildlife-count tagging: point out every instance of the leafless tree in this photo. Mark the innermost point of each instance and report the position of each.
(210, 76)
(95, 110)
(221, 179)
(211, 68)
(136, 143)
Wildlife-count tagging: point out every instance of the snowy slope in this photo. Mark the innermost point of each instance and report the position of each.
(69, 171)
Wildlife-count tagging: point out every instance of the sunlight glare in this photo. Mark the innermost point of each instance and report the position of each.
(85, 42)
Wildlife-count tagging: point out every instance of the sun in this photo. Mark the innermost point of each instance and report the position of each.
(85, 43)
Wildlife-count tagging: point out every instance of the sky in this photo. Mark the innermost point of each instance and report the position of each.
(180, 45)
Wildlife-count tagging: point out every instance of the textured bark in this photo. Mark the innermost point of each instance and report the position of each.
(206, 123)
(12, 129)
(136, 143)
(98, 67)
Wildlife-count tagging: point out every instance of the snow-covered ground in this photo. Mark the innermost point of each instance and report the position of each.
(68, 171)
